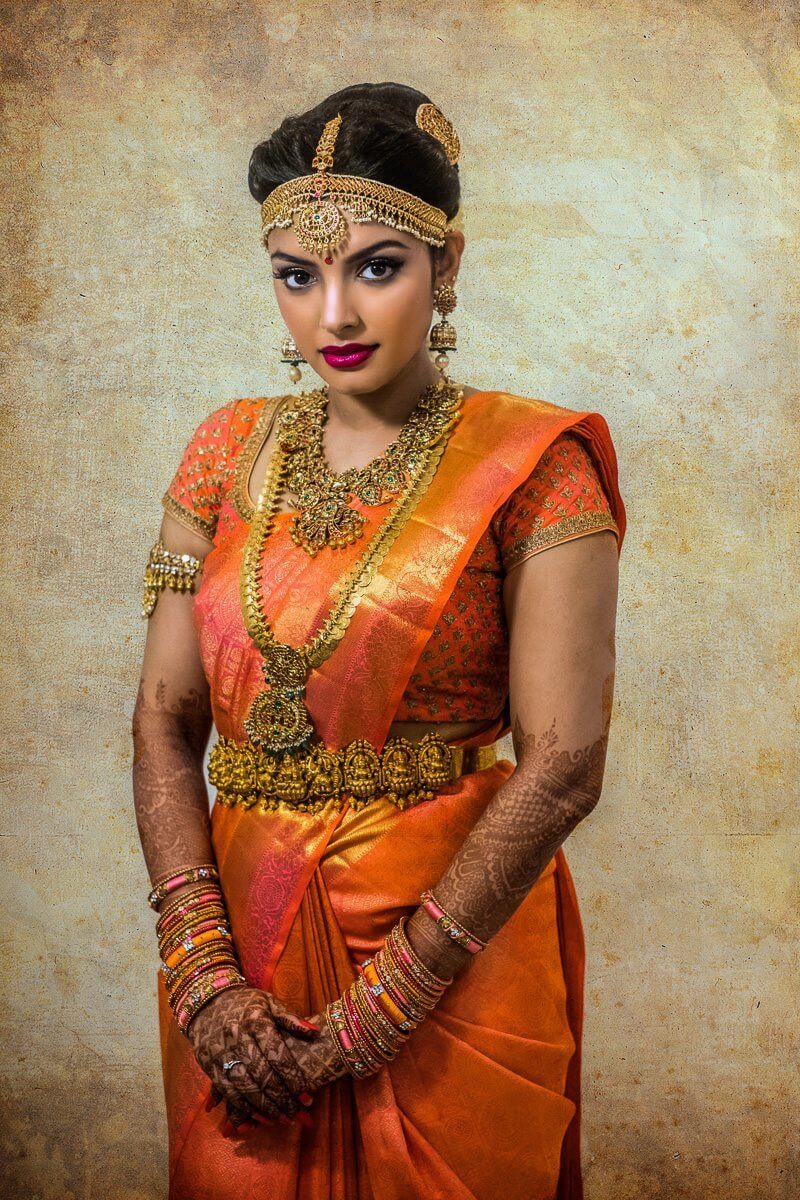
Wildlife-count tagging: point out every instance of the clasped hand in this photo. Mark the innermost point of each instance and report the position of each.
(282, 1058)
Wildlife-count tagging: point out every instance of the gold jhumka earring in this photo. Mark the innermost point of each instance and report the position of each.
(443, 335)
(291, 354)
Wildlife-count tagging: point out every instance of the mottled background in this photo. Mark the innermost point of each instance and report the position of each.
(631, 226)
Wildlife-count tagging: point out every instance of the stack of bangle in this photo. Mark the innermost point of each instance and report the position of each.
(374, 1018)
(176, 879)
(456, 932)
(196, 947)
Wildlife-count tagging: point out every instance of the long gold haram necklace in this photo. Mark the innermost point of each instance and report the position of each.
(278, 719)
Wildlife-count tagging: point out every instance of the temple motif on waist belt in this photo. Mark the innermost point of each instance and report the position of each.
(403, 772)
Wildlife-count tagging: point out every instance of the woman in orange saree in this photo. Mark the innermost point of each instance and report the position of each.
(484, 1100)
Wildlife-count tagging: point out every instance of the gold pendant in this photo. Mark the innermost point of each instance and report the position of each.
(278, 719)
(326, 521)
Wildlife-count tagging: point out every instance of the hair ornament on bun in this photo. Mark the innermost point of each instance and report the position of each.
(432, 120)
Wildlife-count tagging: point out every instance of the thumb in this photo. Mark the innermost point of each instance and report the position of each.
(285, 1019)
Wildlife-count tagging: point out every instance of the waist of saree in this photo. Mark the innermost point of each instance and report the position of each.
(405, 772)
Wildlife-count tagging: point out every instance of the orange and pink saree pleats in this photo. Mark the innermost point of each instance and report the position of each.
(484, 1100)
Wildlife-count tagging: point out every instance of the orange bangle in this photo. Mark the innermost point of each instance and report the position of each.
(395, 1014)
(200, 939)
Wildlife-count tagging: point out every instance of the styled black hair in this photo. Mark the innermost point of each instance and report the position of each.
(379, 139)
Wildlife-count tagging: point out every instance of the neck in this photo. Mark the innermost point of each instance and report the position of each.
(387, 407)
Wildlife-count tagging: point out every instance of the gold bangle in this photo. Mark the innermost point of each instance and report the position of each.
(184, 899)
(420, 1005)
(424, 973)
(380, 1041)
(335, 1037)
(175, 979)
(368, 1052)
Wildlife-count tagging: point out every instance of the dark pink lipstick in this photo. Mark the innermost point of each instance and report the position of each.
(353, 354)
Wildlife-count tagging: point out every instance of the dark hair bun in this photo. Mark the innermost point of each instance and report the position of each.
(379, 139)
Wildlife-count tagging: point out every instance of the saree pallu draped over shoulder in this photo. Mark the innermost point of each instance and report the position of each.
(483, 1102)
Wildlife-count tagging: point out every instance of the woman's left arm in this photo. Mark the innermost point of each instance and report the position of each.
(561, 610)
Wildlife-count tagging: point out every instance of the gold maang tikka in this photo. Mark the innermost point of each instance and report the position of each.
(315, 204)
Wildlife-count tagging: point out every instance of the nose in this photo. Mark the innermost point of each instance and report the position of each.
(338, 313)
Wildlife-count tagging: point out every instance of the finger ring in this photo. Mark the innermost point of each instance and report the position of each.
(232, 1062)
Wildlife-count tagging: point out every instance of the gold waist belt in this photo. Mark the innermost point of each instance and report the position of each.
(403, 772)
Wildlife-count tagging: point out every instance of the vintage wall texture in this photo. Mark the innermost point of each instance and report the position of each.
(631, 224)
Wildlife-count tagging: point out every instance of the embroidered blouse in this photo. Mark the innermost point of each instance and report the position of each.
(462, 673)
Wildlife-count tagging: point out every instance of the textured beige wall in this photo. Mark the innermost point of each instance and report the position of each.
(632, 234)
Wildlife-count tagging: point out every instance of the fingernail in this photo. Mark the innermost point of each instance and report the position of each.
(305, 1098)
(309, 1025)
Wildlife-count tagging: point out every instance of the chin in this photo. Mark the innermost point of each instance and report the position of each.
(366, 379)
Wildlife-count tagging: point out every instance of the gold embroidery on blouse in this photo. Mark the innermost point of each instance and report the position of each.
(197, 524)
(583, 522)
(245, 460)
(209, 459)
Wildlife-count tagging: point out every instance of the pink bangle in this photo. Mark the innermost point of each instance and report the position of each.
(368, 1050)
(450, 925)
(203, 990)
(178, 878)
(191, 901)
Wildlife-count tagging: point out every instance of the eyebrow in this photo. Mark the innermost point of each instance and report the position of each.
(350, 257)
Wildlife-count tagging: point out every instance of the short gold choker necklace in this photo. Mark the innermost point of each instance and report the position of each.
(324, 495)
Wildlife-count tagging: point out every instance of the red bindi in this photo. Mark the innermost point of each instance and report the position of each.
(329, 260)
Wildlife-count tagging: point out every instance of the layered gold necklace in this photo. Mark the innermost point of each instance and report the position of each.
(278, 720)
(323, 496)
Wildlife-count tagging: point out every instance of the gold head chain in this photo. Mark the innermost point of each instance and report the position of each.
(315, 203)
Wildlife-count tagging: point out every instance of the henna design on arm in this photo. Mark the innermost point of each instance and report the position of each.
(552, 789)
(170, 795)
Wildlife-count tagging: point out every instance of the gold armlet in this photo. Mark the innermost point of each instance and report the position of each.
(165, 569)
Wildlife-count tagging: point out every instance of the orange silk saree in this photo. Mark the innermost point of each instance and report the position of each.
(484, 1100)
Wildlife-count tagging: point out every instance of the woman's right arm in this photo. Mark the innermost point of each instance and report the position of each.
(171, 726)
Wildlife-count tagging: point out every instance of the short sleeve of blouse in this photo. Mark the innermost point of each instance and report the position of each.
(194, 494)
(562, 498)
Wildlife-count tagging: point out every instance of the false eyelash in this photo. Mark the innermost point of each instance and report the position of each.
(396, 263)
